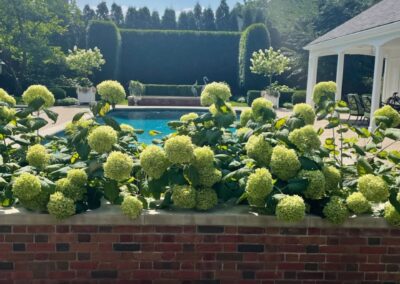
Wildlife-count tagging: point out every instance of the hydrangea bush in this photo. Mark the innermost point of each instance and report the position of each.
(277, 166)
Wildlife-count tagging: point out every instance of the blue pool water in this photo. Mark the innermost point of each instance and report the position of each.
(149, 120)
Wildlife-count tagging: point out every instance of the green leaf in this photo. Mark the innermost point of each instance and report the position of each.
(111, 122)
(83, 150)
(296, 186)
(51, 114)
(308, 164)
(78, 116)
(280, 123)
(154, 132)
(191, 174)
(363, 167)
(36, 104)
(392, 133)
(359, 150)
(111, 191)
(394, 156)
(333, 122)
(175, 124)
(38, 123)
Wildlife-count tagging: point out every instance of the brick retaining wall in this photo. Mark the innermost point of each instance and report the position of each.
(200, 253)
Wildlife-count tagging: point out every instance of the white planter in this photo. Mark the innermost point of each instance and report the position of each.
(273, 99)
(86, 95)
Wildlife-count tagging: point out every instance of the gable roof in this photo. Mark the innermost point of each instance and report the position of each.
(381, 14)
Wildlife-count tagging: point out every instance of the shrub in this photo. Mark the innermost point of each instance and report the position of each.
(102, 139)
(285, 97)
(38, 91)
(132, 207)
(291, 209)
(299, 97)
(111, 92)
(258, 187)
(105, 36)
(118, 166)
(58, 93)
(252, 95)
(67, 102)
(171, 90)
(254, 38)
(324, 90)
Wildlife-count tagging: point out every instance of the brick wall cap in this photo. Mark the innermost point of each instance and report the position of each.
(234, 216)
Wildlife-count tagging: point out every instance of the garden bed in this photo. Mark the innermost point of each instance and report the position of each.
(225, 246)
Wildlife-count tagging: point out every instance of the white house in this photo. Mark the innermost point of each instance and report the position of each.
(374, 32)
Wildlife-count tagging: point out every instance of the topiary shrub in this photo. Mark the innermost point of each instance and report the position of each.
(67, 102)
(254, 38)
(299, 97)
(58, 93)
(251, 96)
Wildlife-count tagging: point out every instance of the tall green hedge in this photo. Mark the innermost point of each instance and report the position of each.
(106, 36)
(254, 38)
(179, 57)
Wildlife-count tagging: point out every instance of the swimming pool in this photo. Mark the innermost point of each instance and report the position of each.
(151, 119)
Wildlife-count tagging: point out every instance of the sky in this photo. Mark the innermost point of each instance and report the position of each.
(159, 5)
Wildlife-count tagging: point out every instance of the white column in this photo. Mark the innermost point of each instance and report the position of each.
(312, 77)
(377, 87)
(339, 76)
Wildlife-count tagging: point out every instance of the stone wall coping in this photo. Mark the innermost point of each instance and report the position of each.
(237, 216)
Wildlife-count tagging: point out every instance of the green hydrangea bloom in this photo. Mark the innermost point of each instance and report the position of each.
(214, 91)
(284, 163)
(118, 166)
(127, 128)
(316, 184)
(60, 206)
(206, 199)
(38, 91)
(26, 186)
(241, 132)
(37, 156)
(225, 116)
(258, 187)
(391, 215)
(260, 106)
(38, 203)
(259, 150)
(184, 196)
(332, 177)
(358, 203)
(111, 91)
(132, 207)
(7, 113)
(179, 149)
(78, 177)
(189, 117)
(5, 97)
(291, 209)
(69, 189)
(203, 157)
(388, 112)
(245, 116)
(325, 90)
(154, 161)
(102, 139)
(305, 138)
(306, 112)
(72, 127)
(374, 188)
(209, 176)
(336, 211)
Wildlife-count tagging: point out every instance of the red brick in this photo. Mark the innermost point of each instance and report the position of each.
(126, 229)
(83, 265)
(19, 229)
(372, 267)
(41, 229)
(43, 247)
(291, 266)
(373, 250)
(168, 247)
(169, 229)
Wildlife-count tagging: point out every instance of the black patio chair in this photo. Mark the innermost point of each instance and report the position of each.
(366, 101)
(355, 106)
(394, 101)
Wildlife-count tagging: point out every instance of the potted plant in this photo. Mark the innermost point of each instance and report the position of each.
(270, 63)
(83, 62)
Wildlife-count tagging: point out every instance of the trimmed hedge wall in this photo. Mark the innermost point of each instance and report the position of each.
(179, 57)
(254, 38)
(106, 36)
(299, 97)
(171, 90)
(252, 95)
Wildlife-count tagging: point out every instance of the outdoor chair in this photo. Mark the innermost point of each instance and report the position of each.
(366, 101)
(355, 106)
(394, 101)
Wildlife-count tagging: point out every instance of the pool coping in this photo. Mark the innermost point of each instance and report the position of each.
(238, 216)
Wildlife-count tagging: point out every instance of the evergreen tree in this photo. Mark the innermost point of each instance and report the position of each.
(222, 16)
(208, 20)
(102, 12)
(191, 21)
(183, 21)
(88, 14)
(144, 18)
(116, 14)
(168, 21)
(155, 20)
(248, 17)
(233, 20)
(131, 18)
(198, 15)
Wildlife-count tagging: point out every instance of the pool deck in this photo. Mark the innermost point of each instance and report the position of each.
(65, 115)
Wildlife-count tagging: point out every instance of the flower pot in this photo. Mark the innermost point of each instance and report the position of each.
(274, 98)
(86, 95)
